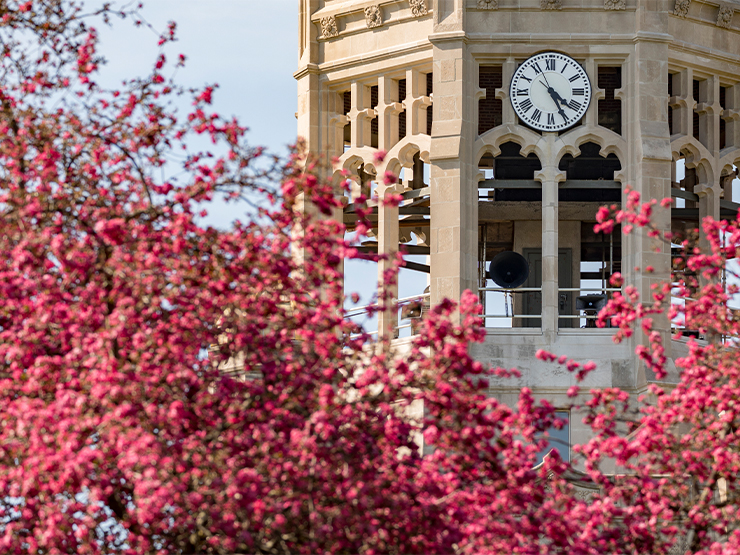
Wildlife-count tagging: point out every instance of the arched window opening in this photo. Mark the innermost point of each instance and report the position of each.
(590, 258)
(510, 221)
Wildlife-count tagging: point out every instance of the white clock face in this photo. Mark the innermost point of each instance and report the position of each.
(550, 91)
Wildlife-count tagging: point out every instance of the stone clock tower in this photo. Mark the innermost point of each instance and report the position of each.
(655, 106)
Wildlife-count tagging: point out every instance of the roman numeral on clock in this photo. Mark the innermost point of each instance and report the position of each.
(537, 69)
(526, 105)
(574, 78)
(550, 119)
(575, 106)
(578, 92)
(523, 92)
(536, 115)
(550, 64)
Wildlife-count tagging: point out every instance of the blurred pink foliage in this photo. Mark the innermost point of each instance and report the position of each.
(120, 435)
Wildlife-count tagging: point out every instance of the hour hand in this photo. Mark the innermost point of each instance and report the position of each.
(556, 98)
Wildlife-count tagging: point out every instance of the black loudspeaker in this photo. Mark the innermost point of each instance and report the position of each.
(508, 269)
(591, 303)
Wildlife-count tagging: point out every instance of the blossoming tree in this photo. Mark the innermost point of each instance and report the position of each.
(119, 432)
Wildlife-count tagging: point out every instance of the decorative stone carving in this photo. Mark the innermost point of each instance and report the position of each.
(487, 4)
(373, 17)
(329, 27)
(724, 17)
(615, 4)
(418, 8)
(551, 4)
(681, 8)
(584, 495)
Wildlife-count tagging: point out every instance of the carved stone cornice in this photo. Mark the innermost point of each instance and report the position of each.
(487, 4)
(329, 27)
(418, 8)
(551, 4)
(373, 17)
(724, 16)
(615, 4)
(681, 8)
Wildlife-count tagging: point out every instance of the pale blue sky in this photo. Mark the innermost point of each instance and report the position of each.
(250, 48)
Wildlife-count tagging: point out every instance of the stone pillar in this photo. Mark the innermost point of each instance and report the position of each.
(708, 207)
(360, 115)
(650, 170)
(454, 192)
(731, 115)
(508, 115)
(549, 177)
(416, 102)
(388, 110)
(709, 114)
(387, 272)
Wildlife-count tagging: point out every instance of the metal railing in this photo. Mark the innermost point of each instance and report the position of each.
(507, 319)
(400, 304)
(585, 317)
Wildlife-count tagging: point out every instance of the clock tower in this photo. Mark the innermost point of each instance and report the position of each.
(510, 122)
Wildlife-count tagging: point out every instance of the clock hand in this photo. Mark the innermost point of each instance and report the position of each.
(562, 114)
(554, 94)
(556, 98)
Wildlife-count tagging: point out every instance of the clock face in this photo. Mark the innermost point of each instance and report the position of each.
(550, 91)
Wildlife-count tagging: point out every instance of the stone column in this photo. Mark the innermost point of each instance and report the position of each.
(360, 115)
(731, 115)
(649, 167)
(454, 192)
(549, 176)
(388, 110)
(387, 271)
(417, 102)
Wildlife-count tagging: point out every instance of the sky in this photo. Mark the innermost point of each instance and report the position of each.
(250, 49)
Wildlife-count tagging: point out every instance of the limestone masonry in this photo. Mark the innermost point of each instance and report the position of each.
(429, 82)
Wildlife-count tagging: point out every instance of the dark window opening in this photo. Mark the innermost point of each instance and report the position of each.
(430, 112)
(402, 115)
(590, 164)
(347, 99)
(670, 108)
(722, 122)
(374, 121)
(696, 115)
(511, 164)
(490, 109)
(610, 108)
